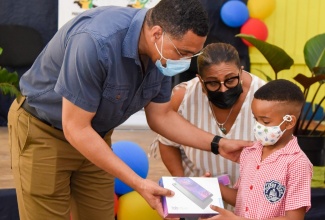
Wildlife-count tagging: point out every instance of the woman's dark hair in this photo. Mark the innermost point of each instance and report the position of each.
(177, 17)
(216, 53)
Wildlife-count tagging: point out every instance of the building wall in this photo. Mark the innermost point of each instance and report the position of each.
(290, 25)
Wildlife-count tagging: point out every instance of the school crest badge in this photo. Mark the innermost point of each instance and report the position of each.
(274, 191)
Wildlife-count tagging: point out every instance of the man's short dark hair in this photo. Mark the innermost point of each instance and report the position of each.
(280, 90)
(177, 17)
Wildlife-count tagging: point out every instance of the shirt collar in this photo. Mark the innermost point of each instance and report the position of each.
(292, 147)
(131, 40)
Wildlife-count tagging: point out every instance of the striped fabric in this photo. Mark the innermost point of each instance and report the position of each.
(195, 108)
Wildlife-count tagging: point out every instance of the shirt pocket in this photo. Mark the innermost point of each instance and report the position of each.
(115, 102)
(116, 94)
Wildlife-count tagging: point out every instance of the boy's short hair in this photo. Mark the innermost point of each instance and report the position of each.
(281, 90)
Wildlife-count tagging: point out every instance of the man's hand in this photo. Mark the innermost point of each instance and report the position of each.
(223, 214)
(231, 149)
(152, 193)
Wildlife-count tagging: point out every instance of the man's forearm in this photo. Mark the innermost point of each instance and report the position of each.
(177, 129)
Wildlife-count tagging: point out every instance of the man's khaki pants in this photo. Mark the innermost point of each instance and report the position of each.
(53, 180)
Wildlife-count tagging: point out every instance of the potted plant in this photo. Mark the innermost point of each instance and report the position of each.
(8, 81)
(310, 137)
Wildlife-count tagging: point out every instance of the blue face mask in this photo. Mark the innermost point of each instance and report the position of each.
(173, 67)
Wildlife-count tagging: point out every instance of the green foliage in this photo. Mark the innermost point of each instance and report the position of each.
(276, 57)
(268, 78)
(314, 53)
(8, 81)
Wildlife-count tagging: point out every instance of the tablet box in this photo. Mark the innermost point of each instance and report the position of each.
(193, 196)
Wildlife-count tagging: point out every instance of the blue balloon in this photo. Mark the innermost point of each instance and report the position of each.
(234, 13)
(135, 157)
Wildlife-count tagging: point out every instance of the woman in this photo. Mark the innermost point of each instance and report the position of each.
(218, 100)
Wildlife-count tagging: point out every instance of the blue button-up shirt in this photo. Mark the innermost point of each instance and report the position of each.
(93, 62)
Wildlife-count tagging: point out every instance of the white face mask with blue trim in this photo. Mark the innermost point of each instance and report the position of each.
(173, 67)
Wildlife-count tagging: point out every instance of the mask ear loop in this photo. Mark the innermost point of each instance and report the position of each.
(287, 118)
(162, 43)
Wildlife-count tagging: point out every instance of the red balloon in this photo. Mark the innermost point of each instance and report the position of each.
(255, 27)
(115, 204)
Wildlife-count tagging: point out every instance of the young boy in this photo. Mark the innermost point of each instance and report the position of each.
(275, 174)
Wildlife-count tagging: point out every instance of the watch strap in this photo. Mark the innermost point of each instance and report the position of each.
(215, 144)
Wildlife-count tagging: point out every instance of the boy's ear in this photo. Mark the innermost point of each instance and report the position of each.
(291, 124)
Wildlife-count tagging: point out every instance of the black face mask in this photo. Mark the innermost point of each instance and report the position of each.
(227, 99)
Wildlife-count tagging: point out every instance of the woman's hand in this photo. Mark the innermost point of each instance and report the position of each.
(207, 174)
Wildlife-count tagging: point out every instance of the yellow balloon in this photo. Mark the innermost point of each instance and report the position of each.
(260, 8)
(133, 207)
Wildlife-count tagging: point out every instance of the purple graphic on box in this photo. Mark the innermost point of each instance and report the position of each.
(192, 190)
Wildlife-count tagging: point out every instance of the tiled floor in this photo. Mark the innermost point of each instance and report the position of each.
(135, 130)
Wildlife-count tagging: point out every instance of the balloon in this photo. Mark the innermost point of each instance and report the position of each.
(260, 8)
(133, 206)
(234, 13)
(115, 204)
(135, 157)
(255, 27)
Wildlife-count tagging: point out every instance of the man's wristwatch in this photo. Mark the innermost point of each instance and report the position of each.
(215, 144)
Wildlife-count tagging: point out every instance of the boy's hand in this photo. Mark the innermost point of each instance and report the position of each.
(223, 214)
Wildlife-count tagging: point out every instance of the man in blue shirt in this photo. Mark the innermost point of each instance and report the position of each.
(99, 69)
